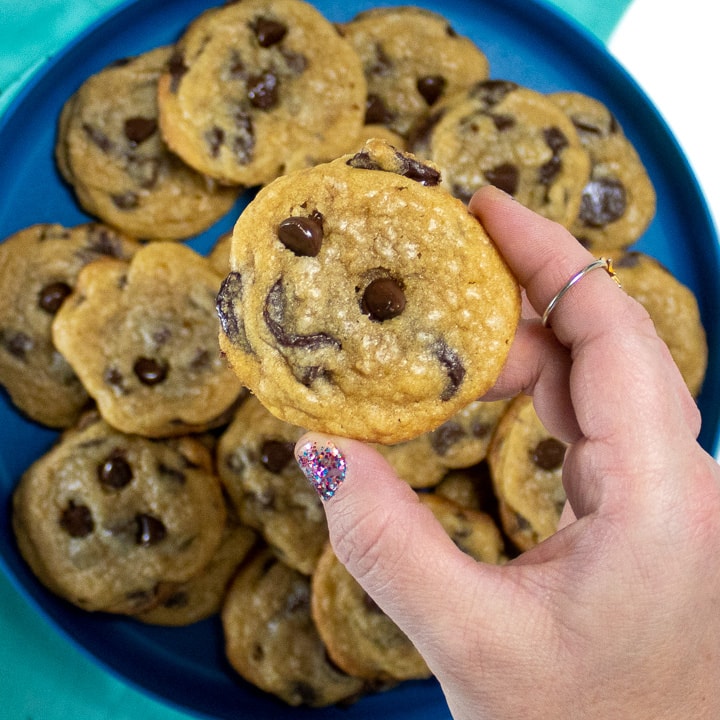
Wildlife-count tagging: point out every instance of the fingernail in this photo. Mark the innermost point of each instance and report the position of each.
(323, 465)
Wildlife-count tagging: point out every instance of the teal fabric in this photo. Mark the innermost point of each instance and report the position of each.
(43, 676)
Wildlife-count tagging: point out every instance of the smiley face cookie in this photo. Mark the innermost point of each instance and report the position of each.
(618, 201)
(110, 150)
(142, 337)
(112, 521)
(256, 88)
(503, 134)
(364, 300)
(412, 58)
(39, 266)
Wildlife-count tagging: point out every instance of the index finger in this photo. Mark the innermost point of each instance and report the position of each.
(624, 386)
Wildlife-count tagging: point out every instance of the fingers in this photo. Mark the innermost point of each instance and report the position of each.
(390, 542)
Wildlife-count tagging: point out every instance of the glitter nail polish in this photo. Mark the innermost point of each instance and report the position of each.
(324, 466)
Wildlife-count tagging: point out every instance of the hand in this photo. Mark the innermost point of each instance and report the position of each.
(617, 615)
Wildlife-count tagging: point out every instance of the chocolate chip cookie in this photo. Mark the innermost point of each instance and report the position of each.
(272, 642)
(112, 522)
(257, 88)
(360, 638)
(673, 308)
(110, 150)
(364, 300)
(39, 266)
(525, 463)
(503, 134)
(142, 337)
(412, 58)
(618, 201)
(257, 465)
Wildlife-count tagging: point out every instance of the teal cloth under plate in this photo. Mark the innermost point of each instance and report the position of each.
(43, 676)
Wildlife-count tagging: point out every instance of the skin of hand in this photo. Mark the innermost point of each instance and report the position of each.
(617, 615)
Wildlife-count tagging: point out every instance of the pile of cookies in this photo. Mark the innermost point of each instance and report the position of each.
(171, 493)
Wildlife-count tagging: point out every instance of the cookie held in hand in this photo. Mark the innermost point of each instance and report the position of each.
(364, 300)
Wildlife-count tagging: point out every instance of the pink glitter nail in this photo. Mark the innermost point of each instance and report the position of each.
(324, 466)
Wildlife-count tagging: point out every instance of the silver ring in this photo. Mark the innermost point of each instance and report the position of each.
(605, 263)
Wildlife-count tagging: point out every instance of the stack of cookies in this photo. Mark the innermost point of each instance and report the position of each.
(356, 295)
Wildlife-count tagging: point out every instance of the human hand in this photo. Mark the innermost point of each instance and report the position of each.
(617, 614)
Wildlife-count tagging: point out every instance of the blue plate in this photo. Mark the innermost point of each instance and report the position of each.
(525, 41)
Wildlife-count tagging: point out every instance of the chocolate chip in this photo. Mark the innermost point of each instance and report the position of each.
(231, 292)
(139, 129)
(126, 201)
(453, 366)
(491, 92)
(276, 454)
(17, 343)
(382, 64)
(431, 87)
(548, 454)
(115, 471)
(150, 371)
(296, 62)
(143, 170)
(383, 299)
(262, 90)
(303, 692)
(170, 473)
(149, 530)
(376, 112)
(505, 177)
(268, 32)
(215, 138)
(103, 242)
(407, 167)
(52, 296)
(113, 377)
(98, 138)
(302, 235)
(77, 520)
(502, 122)
(629, 259)
(298, 599)
(461, 192)
(557, 142)
(177, 68)
(603, 201)
(274, 316)
(443, 438)
(243, 143)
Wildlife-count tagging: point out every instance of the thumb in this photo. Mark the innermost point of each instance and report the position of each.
(389, 541)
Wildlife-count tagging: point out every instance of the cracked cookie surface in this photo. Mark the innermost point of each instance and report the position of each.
(364, 300)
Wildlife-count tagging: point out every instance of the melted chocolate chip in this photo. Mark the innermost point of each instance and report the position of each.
(557, 142)
(502, 122)
(383, 299)
(150, 371)
(376, 112)
(443, 438)
(302, 235)
(505, 177)
(243, 144)
(491, 92)
(138, 129)
(231, 292)
(115, 471)
(126, 201)
(274, 316)
(603, 201)
(215, 138)
(262, 90)
(548, 454)
(77, 520)
(276, 454)
(177, 68)
(431, 87)
(453, 366)
(98, 138)
(102, 242)
(407, 167)
(149, 530)
(268, 32)
(17, 343)
(52, 296)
